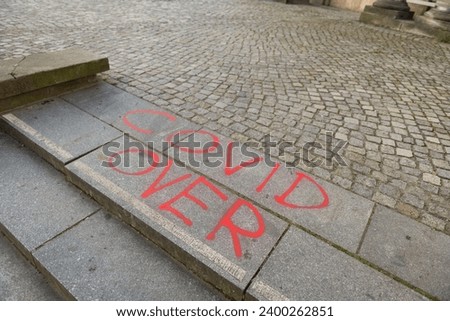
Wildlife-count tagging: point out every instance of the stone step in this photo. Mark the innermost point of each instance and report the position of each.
(83, 251)
(42, 75)
(236, 227)
(19, 281)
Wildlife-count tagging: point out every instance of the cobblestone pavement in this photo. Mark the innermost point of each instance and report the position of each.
(246, 68)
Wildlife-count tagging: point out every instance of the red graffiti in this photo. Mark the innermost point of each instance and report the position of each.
(229, 159)
(235, 230)
(241, 206)
(153, 188)
(127, 122)
(281, 199)
(186, 194)
(268, 178)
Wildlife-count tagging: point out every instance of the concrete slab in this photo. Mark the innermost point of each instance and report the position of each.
(26, 98)
(186, 214)
(103, 259)
(410, 250)
(304, 268)
(47, 69)
(40, 62)
(7, 68)
(141, 119)
(37, 203)
(326, 209)
(58, 130)
(19, 281)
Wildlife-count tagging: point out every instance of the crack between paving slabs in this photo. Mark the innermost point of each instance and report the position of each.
(363, 236)
(265, 260)
(123, 133)
(12, 73)
(90, 151)
(67, 229)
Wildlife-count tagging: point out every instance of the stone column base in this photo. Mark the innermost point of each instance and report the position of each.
(402, 20)
(393, 14)
(437, 28)
(394, 19)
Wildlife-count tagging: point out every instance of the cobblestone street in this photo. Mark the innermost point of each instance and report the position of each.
(247, 68)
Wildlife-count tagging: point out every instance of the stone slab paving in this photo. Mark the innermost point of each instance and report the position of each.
(246, 68)
(304, 268)
(414, 252)
(342, 220)
(326, 209)
(102, 259)
(19, 281)
(37, 203)
(219, 235)
(60, 129)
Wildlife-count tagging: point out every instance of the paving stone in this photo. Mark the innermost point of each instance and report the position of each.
(183, 217)
(37, 203)
(145, 121)
(433, 221)
(433, 179)
(324, 208)
(19, 281)
(410, 250)
(407, 209)
(413, 200)
(103, 259)
(58, 130)
(443, 173)
(303, 268)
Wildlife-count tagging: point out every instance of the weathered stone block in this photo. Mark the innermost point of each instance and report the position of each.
(410, 250)
(304, 268)
(23, 80)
